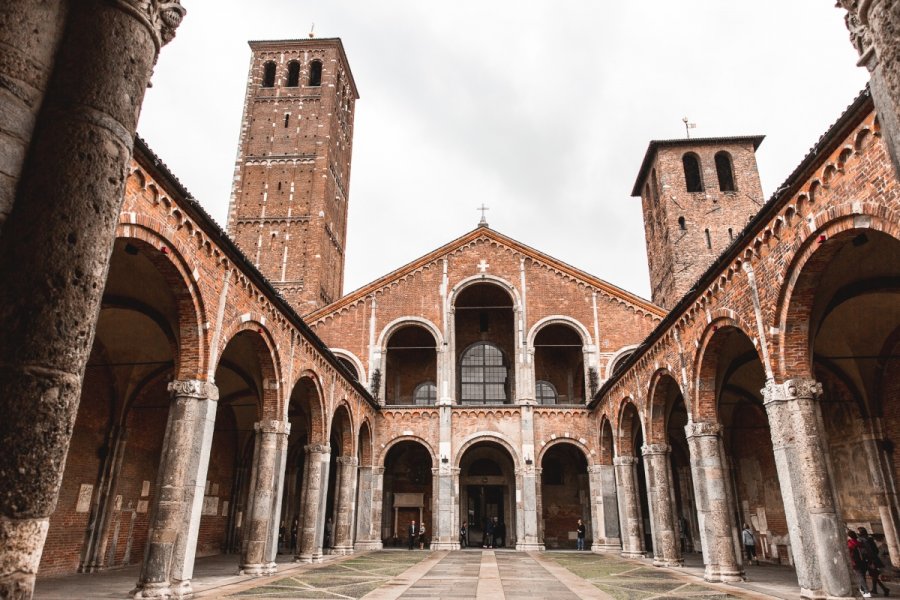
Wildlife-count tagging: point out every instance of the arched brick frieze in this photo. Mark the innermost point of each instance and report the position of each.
(703, 407)
(381, 453)
(802, 277)
(269, 361)
(192, 352)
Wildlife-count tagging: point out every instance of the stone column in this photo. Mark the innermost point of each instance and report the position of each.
(445, 526)
(604, 509)
(368, 527)
(883, 485)
(813, 523)
(629, 509)
(57, 237)
(346, 504)
(666, 550)
(873, 26)
(281, 448)
(261, 535)
(716, 519)
(527, 497)
(315, 488)
(175, 519)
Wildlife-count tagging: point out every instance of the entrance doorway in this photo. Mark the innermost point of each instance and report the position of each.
(487, 493)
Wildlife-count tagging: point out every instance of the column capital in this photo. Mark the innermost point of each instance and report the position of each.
(349, 461)
(702, 429)
(625, 461)
(655, 449)
(160, 17)
(193, 388)
(273, 426)
(317, 449)
(792, 389)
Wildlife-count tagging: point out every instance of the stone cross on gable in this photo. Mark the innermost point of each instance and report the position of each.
(483, 222)
(483, 266)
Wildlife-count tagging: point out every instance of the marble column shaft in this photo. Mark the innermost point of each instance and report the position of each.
(714, 512)
(629, 508)
(368, 528)
(666, 549)
(346, 504)
(604, 508)
(444, 526)
(816, 531)
(315, 488)
(58, 234)
(261, 535)
(527, 508)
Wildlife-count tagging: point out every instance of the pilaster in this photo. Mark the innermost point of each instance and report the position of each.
(527, 505)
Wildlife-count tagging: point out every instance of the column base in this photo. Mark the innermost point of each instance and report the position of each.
(606, 546)
(342, 550)
(668, 562)
(257, 570)
(529, 547)
(632, 554)
(445, 546)
(821, 595)
(714, 574)
(181, 590)
(315, 557)
(368, 545)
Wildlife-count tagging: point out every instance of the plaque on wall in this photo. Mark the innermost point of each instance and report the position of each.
(84, 498)
(142, 506)
(145, 489)
(210, 505)
(409, 500)
(225, 508)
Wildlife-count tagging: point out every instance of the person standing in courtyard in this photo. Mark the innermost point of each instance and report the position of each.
(463, 535)
(580, 530)
(873, 560)
(295, 530)
(858, 562)
(422, 536)
(329, 532)
(412, 534)
(749, 544)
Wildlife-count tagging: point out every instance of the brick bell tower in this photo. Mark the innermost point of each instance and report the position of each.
(697, 196)
(288, 209)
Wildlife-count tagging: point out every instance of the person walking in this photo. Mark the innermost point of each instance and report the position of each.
(295, 530)
(579, 536)
(749, 543)
(858, 562)
(487, 541)
(873, 559)
(412, 534)
(463, 534)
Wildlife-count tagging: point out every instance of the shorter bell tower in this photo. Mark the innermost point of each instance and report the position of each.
(288, 210)
(697, 196)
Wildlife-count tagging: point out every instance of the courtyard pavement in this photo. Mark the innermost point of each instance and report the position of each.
(478, 574)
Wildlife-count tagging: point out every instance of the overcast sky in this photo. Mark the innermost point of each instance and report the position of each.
(540, 109)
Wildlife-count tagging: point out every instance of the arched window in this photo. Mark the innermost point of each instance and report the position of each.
(347, 364)
(315, 73)
(287, 119)
(293, 74)
(708, 240)
(545, 392)
(692, 179)
(484, 374)
(725, 171)
(268, 79)
(682, 223)
(425, 394)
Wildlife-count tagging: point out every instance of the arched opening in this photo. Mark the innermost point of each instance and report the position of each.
(849, 295)
(559, 362)
(109, 485)
(337, 509)
(565, 496)
(305, 417)
(408, 493)
(487, 490)
(732, 371)
(485, 345)
(315, 73)
(242, 370)
(693, 180)
(725, 171)
(631, 479)
(348, 364)
(293, 78)
(268, 74)
(411, 361)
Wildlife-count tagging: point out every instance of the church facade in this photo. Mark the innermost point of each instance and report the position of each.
(237, 401)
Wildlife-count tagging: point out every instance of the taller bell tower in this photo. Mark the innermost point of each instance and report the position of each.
(288, 209)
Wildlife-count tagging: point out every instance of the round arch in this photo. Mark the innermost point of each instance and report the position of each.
(487, 436)
(623, 433)
(401, 322)
(545, 447)
(365, 443)
(486, 278)
(382, 454)
(269, 363)
(703, 406)
(560, 320)
(620, 355)
(352, 359)
(348, 432)
(661, 382)
(607, 441)
(317, 407)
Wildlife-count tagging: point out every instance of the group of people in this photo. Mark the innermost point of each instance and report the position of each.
(865, 559)
(493, 534)
(416, 533)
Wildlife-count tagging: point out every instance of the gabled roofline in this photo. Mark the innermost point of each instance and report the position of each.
(160, 172)
(483, 231)
(260, 44)
(861, 106)
(655, 145)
